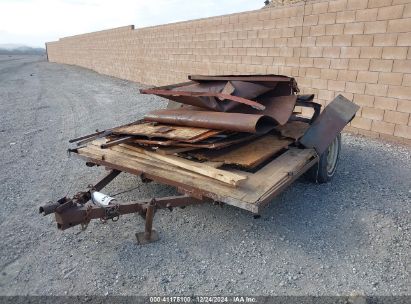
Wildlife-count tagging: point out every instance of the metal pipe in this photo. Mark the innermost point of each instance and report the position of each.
(116, 142)
(48, 208)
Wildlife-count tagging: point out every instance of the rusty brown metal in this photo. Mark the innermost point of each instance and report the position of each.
(92, 136)
(98, 134)
(225, 93)
(81, 214)
(238, 122)
(80, 198)
(149, 235)
(77, 214)
(279, 108)
(219, 96)
(287, 85)
(117, 141)
(248, 90)
(329, 123)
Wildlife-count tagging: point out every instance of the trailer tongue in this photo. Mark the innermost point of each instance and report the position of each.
(243, 153)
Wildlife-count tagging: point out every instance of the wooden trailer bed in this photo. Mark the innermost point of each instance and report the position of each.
(250, 194)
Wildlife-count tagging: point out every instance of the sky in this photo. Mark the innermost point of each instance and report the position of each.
(34, 22)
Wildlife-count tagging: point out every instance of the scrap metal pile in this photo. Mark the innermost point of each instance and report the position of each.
(237, 140)
(215, 122)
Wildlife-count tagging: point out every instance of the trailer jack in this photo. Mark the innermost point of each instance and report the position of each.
(80, 209)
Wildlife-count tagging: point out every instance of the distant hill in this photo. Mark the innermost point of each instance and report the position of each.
(20, 49)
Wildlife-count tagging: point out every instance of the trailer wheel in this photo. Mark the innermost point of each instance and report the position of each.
(324, 170)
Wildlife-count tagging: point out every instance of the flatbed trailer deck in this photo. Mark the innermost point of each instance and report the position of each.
(316, 150)
(255, 192)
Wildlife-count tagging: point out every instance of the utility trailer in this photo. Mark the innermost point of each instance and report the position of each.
(276, 164)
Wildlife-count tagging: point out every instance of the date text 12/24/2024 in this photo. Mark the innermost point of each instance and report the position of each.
(203, 299)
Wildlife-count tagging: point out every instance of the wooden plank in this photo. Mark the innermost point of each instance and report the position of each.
(170, 175)
(285, 181)
(247, 195)
(200, 168)
(214, 164)
(221, 175)
(116, 150)
(144, 162)
(276, 172)
(225, 142)
(151, 130)
(293, 129)
(248, 155)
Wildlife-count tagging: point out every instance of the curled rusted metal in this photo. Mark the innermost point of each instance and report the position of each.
(279, 108)
(211, 92)
(241, 103)
(238, 122)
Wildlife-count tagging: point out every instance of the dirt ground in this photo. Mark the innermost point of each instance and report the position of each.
(349, 236)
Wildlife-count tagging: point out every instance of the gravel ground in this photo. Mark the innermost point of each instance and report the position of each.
(349, 236)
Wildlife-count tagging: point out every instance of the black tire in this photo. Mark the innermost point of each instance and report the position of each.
(324, 170)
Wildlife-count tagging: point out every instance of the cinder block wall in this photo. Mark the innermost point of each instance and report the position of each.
(360, 48)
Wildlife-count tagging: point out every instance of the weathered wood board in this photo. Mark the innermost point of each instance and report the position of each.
(225, 142)
(151, 130)
(200, 168)
(293, 129)
(248, 155)
(248, 195)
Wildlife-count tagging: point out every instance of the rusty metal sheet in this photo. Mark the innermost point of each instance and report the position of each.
(247, 90)
(238, 122)
(152, 130)
(330, 122)
(212, 93)
(215, 87)
(195, 99)
(273, 81)
(279, 108)
(243, 89)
